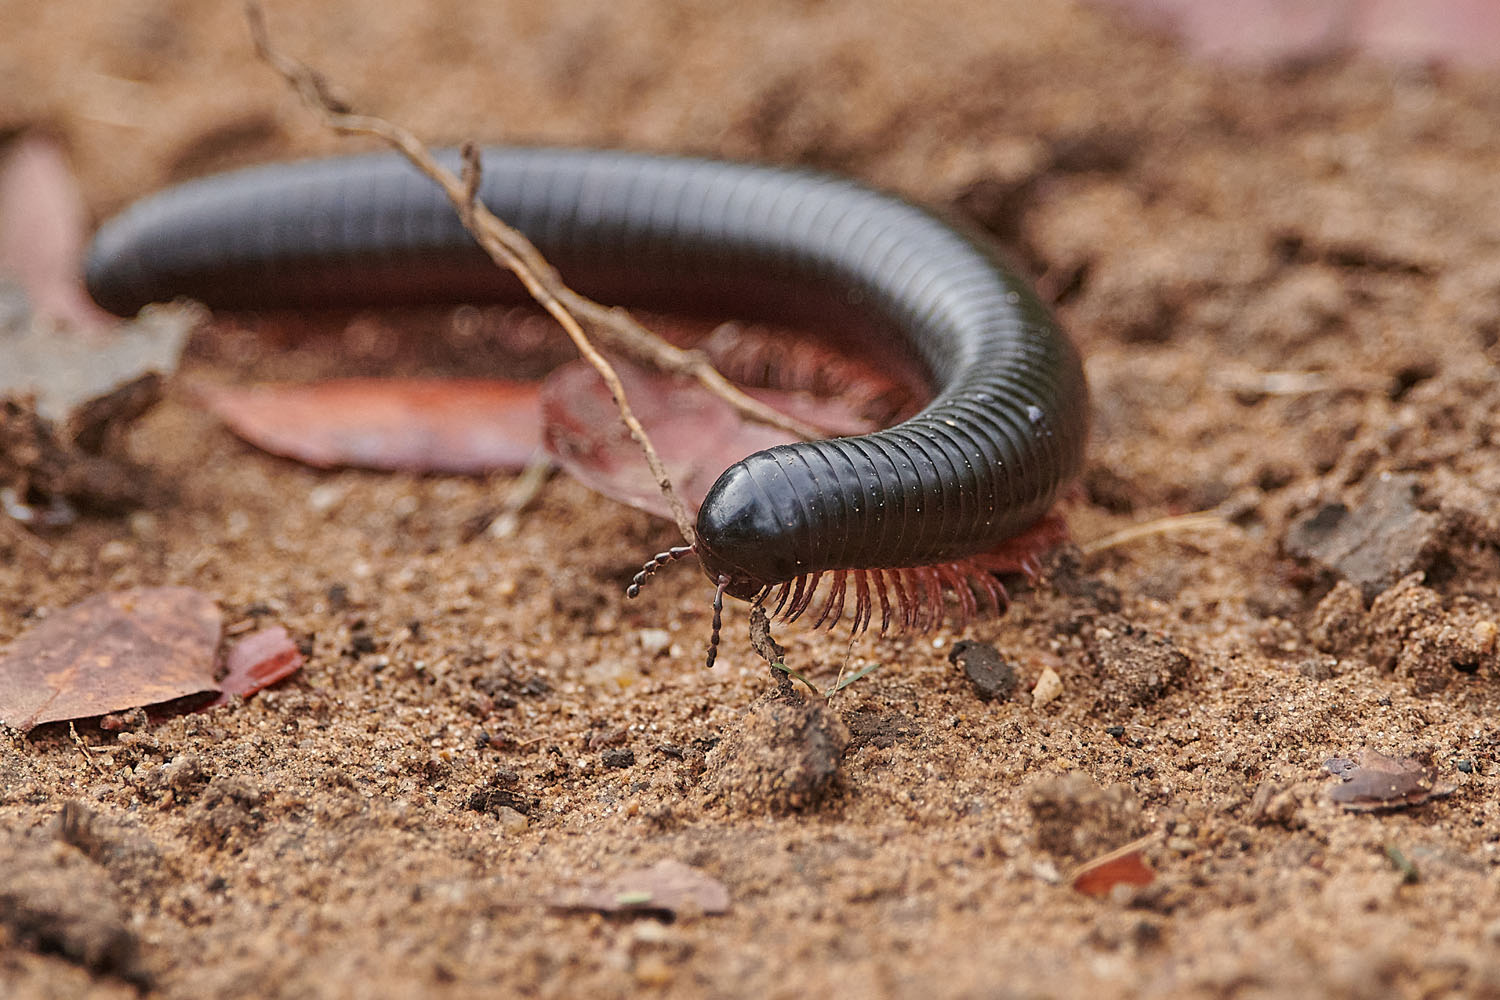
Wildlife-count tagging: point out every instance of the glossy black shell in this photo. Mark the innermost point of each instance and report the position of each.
(984, 460)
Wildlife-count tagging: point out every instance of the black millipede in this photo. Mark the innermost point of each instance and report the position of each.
(901, 515)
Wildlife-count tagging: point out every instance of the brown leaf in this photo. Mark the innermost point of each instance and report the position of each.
(666, 887)
(109, 653)
(697, 434)
(463, 426)
(1373, 781)
(257, 661)
(1122, 866)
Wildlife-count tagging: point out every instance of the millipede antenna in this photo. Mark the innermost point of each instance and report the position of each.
(713, 639)
(653, 564)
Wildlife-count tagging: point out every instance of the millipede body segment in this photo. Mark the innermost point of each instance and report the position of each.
(898, 516)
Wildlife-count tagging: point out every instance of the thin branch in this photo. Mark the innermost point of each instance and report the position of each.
(509, 248)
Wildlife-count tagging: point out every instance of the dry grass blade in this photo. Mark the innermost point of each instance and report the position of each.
(512, 250)
(1201, 521)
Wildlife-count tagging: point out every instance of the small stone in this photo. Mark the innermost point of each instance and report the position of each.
(115, 553)
(1048, 687)
(653, 971)
(1384, 538)
(992, 678)
(654, 641)
(618, 757)
(511, 821)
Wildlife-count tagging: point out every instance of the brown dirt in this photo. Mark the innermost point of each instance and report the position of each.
(395, 819)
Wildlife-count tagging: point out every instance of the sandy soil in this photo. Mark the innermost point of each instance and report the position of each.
(1287, 284)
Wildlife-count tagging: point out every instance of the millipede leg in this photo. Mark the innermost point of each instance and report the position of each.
(930, 600)
(713, 639)
(799, 606)
(903, 603)
(861, 602)
(878, 583)
(799, 585)
(986, 582)
(968, 607)
(834, 606)
(786, 588)
(653, 564)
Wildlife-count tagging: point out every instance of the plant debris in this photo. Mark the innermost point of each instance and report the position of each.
(1373, 782)
(668, 888)
(463, 426)
(256, 662)
(109, 653)
(1123, 866)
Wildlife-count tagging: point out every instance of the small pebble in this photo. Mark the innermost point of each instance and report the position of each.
(618, 757)
(654, 641)
(1048, 687)
(511, 821)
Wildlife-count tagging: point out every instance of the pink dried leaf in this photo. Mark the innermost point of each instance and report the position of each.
(42, 231)
(1281, 31)
(257, 661)
(462, 426)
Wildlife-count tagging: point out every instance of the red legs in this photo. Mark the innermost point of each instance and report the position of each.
(902, 603)
(919, 604)
(986, 582)
(920, 601)
(834, 605)
(861, 602)
(653, 564)
(885, 604)
(968, 608)
(713, 639)
(799, 585)
(930, 606)
(786, 588)
(802, 599)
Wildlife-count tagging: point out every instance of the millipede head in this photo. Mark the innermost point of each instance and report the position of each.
(653, 564)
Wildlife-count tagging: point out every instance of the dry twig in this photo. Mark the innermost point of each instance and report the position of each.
(509, 248)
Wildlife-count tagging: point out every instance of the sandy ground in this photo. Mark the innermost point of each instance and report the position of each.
(1287, 285)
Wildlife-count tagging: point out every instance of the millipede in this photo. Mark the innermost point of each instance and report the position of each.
(898, 518)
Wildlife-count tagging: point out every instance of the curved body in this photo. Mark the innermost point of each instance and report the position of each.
(982, 462)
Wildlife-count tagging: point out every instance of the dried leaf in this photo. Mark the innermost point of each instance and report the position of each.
(42, 227)
(1373, 781)
(109, 653)
(1122, 866)
(257, 661)
(697, 434)
(463, 426)
(1279, 31)
(668, 886)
